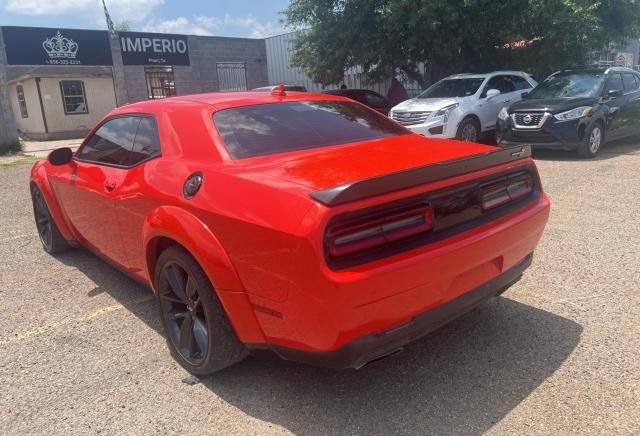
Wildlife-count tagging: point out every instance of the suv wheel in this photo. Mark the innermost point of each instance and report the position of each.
(592, 141)
(468, 130)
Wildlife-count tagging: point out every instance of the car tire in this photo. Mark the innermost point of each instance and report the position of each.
(469, 130)
(50, 236)
(197, 329)
(593, 141)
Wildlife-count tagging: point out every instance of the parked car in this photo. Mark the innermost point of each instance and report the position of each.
(462, 106)
(577, 109)
(366, 97)
(307, 225)
(292, 88)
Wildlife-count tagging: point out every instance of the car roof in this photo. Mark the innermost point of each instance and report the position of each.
(596, 69)
(345, 91)
(485, 75)
(223, 100)
(620, 70)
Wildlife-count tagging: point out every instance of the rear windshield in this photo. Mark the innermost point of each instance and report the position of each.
(569, 85)
(453, 88)
(250, 131)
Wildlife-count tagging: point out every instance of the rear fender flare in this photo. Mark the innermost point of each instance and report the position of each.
(184, 228)
(187, 230)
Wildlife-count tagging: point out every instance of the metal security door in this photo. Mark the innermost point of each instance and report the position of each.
(232, 76)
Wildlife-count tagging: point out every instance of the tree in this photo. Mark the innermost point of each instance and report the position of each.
(384, 37)
(123, 26)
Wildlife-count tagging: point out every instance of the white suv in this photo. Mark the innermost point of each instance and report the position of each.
(462, 106)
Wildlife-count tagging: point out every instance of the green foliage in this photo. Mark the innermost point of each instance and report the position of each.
(386, 36)
(123, 26)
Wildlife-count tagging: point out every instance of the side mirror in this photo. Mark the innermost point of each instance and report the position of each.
(492, 93)
(524, 94)
(60, 156)
(615, 93)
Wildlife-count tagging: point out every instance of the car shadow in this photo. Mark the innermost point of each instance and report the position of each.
(462, 378)
(132, 295)
(610, 150)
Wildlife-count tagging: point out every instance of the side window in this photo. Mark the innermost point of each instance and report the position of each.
(501, 83)
(520, 83)
(614, 83)
(506, 85)
(112, 143)
(629, 81)
(146, 143)
(374, 99)
(491, 84)
(355, 95)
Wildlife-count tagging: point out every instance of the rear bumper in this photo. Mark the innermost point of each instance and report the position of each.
(326, 309)
(365, 349)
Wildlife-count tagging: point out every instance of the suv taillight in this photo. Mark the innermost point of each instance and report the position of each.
(509, 189)
(377, 230)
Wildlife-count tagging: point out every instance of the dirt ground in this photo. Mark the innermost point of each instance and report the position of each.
(81, 349)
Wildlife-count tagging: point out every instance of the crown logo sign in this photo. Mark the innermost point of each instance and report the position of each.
(60, 47)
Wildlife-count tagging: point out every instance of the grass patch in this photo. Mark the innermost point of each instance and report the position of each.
(19, 161)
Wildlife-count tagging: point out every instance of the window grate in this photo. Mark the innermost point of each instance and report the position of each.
(160, 82)
(22, 102)
(232, 76)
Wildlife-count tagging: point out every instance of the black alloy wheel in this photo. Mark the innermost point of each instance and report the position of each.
(198, 332)
(50, 237)
(185, 319)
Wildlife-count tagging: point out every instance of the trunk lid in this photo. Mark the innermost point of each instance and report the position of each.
(328, 167)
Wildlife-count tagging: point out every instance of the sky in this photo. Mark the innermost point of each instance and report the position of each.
(240, 18)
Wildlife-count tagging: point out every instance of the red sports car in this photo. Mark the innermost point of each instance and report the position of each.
(307, 225)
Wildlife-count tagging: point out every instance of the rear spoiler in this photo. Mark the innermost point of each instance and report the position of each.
(417, 176)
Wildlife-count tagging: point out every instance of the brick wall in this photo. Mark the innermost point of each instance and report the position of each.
(119, 82)
(130, 81)
(201, 75)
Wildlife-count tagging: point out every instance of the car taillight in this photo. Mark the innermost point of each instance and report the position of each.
(506, 190)
(379, 230)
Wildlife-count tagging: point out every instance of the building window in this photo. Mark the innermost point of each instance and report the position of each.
(74, 98)
(160, 82)
(232, 76)
(22, 102)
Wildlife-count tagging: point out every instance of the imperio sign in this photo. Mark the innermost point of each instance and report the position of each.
(43, 46)
(153, 49)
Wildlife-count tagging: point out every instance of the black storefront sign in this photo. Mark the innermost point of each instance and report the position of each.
(45, 46)
(153, 49)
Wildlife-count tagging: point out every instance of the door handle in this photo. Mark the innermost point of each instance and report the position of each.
(109, 185)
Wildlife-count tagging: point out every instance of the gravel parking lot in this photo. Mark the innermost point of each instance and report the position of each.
(81, 349)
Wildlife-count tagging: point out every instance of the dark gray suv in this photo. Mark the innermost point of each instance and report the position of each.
(578, 109)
